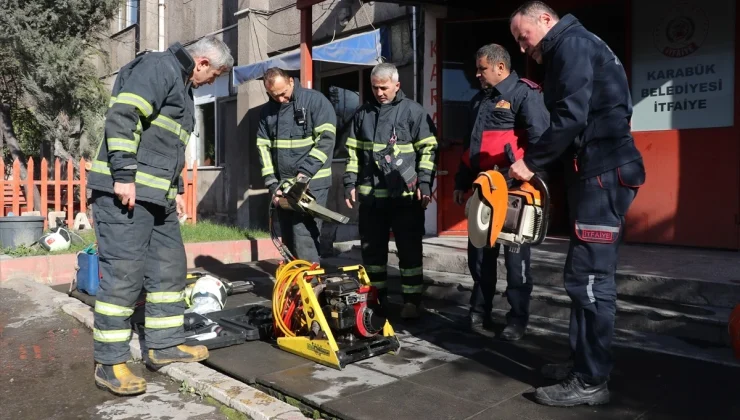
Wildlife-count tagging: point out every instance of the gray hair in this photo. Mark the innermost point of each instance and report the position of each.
(215, 50)
(385, 71)
(495, 53)
(533, 9)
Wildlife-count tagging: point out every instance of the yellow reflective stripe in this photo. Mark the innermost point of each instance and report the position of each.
(111, 336)
(292, 144)
(172, 126)
(165, 297)
(153, 181)
(123, 145)
(184, 137)
(318, 154)
(142, 178)
(411, 271)
(431, 140)
(412, 289)
(111, 101)
(112, 310)
(322, 173)
(352, 142)
(378, 284)
(376, 268)
(268, 171)
(137, 101)
(263, 142)
(166, 322)
(267, 167)
(365, 189)
(427, 165)
(405, 148)
(172, 193)
(380, 192)
(323, 127)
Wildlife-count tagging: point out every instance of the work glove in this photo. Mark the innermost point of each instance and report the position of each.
(348, 191)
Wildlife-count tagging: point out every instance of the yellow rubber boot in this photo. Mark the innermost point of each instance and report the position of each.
(181, 353)
(118, 379)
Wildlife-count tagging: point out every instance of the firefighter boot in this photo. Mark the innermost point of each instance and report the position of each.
(119, 380)
(182, 353)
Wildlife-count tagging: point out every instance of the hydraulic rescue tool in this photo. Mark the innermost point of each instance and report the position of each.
(509, 212)
(332, 318)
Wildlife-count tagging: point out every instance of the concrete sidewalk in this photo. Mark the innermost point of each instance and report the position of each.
(46, 368)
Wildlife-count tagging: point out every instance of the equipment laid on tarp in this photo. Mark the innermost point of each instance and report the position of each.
(508, 212)
(365, 49)
(330, 318)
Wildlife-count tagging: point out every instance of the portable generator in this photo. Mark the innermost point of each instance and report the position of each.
(331, 318)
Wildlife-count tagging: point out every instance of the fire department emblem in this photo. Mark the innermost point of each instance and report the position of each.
(682, 31)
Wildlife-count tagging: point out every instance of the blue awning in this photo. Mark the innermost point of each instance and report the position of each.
(363, 49)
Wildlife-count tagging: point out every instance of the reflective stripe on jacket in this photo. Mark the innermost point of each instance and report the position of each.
(287, 147)
(413, 156)
(147, 127)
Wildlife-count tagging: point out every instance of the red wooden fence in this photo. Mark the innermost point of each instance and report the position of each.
(17, 194)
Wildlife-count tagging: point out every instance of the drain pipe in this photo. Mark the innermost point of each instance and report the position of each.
(413, 40)
(161, 25)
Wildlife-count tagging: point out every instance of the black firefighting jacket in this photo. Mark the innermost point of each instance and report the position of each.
(392, 150)
(588, 96)
(290, 143)
(512, 112)
(147, 127)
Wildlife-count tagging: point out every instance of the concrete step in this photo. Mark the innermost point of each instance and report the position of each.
(700, 323)
(655, 343)
(644, 274)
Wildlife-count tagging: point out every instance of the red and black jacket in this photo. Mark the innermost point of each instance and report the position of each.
(512, 112)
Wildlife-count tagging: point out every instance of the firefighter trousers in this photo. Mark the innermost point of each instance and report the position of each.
(137, 249)
(300, 232)
(483, 263)
(406, 220)
(597, 208)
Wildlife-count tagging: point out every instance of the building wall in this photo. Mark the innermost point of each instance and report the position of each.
(262, 35)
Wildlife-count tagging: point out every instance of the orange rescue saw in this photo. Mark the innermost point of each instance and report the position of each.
(512, 213)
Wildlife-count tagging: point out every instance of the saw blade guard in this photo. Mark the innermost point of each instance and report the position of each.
(489, 190)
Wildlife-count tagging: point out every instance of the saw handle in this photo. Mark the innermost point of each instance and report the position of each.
(540, 185)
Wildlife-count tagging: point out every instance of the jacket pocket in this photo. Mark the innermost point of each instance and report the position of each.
(109, 209)
(632, 175)
(157, 164)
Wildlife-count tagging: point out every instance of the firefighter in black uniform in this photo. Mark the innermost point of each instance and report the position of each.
(588, 97)
(295, 137)
(390, 171)
(509, 110)
(136, 199)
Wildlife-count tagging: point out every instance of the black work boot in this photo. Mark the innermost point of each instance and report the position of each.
(572, 391)
(182, 353)
(557, 371)
(513, 332)
(477, 322)
(119, 380)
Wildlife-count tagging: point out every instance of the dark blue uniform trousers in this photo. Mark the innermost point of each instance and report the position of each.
(482, 263)
(301, 232)
(597, 207)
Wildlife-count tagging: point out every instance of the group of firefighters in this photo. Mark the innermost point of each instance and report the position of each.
(580, 117)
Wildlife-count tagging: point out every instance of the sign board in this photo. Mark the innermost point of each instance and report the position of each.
(683, 64)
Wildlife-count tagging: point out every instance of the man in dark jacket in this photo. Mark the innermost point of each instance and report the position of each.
(136, 200)
(390, 171)
(590, 107)
(295, 138)
(509, 110)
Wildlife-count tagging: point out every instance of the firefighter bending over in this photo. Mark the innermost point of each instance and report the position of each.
(136, 199)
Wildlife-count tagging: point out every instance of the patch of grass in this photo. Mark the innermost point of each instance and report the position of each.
(229, 412)
(207, 231)
(203, 231)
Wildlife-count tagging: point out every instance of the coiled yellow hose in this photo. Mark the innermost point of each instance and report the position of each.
(286, 293)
